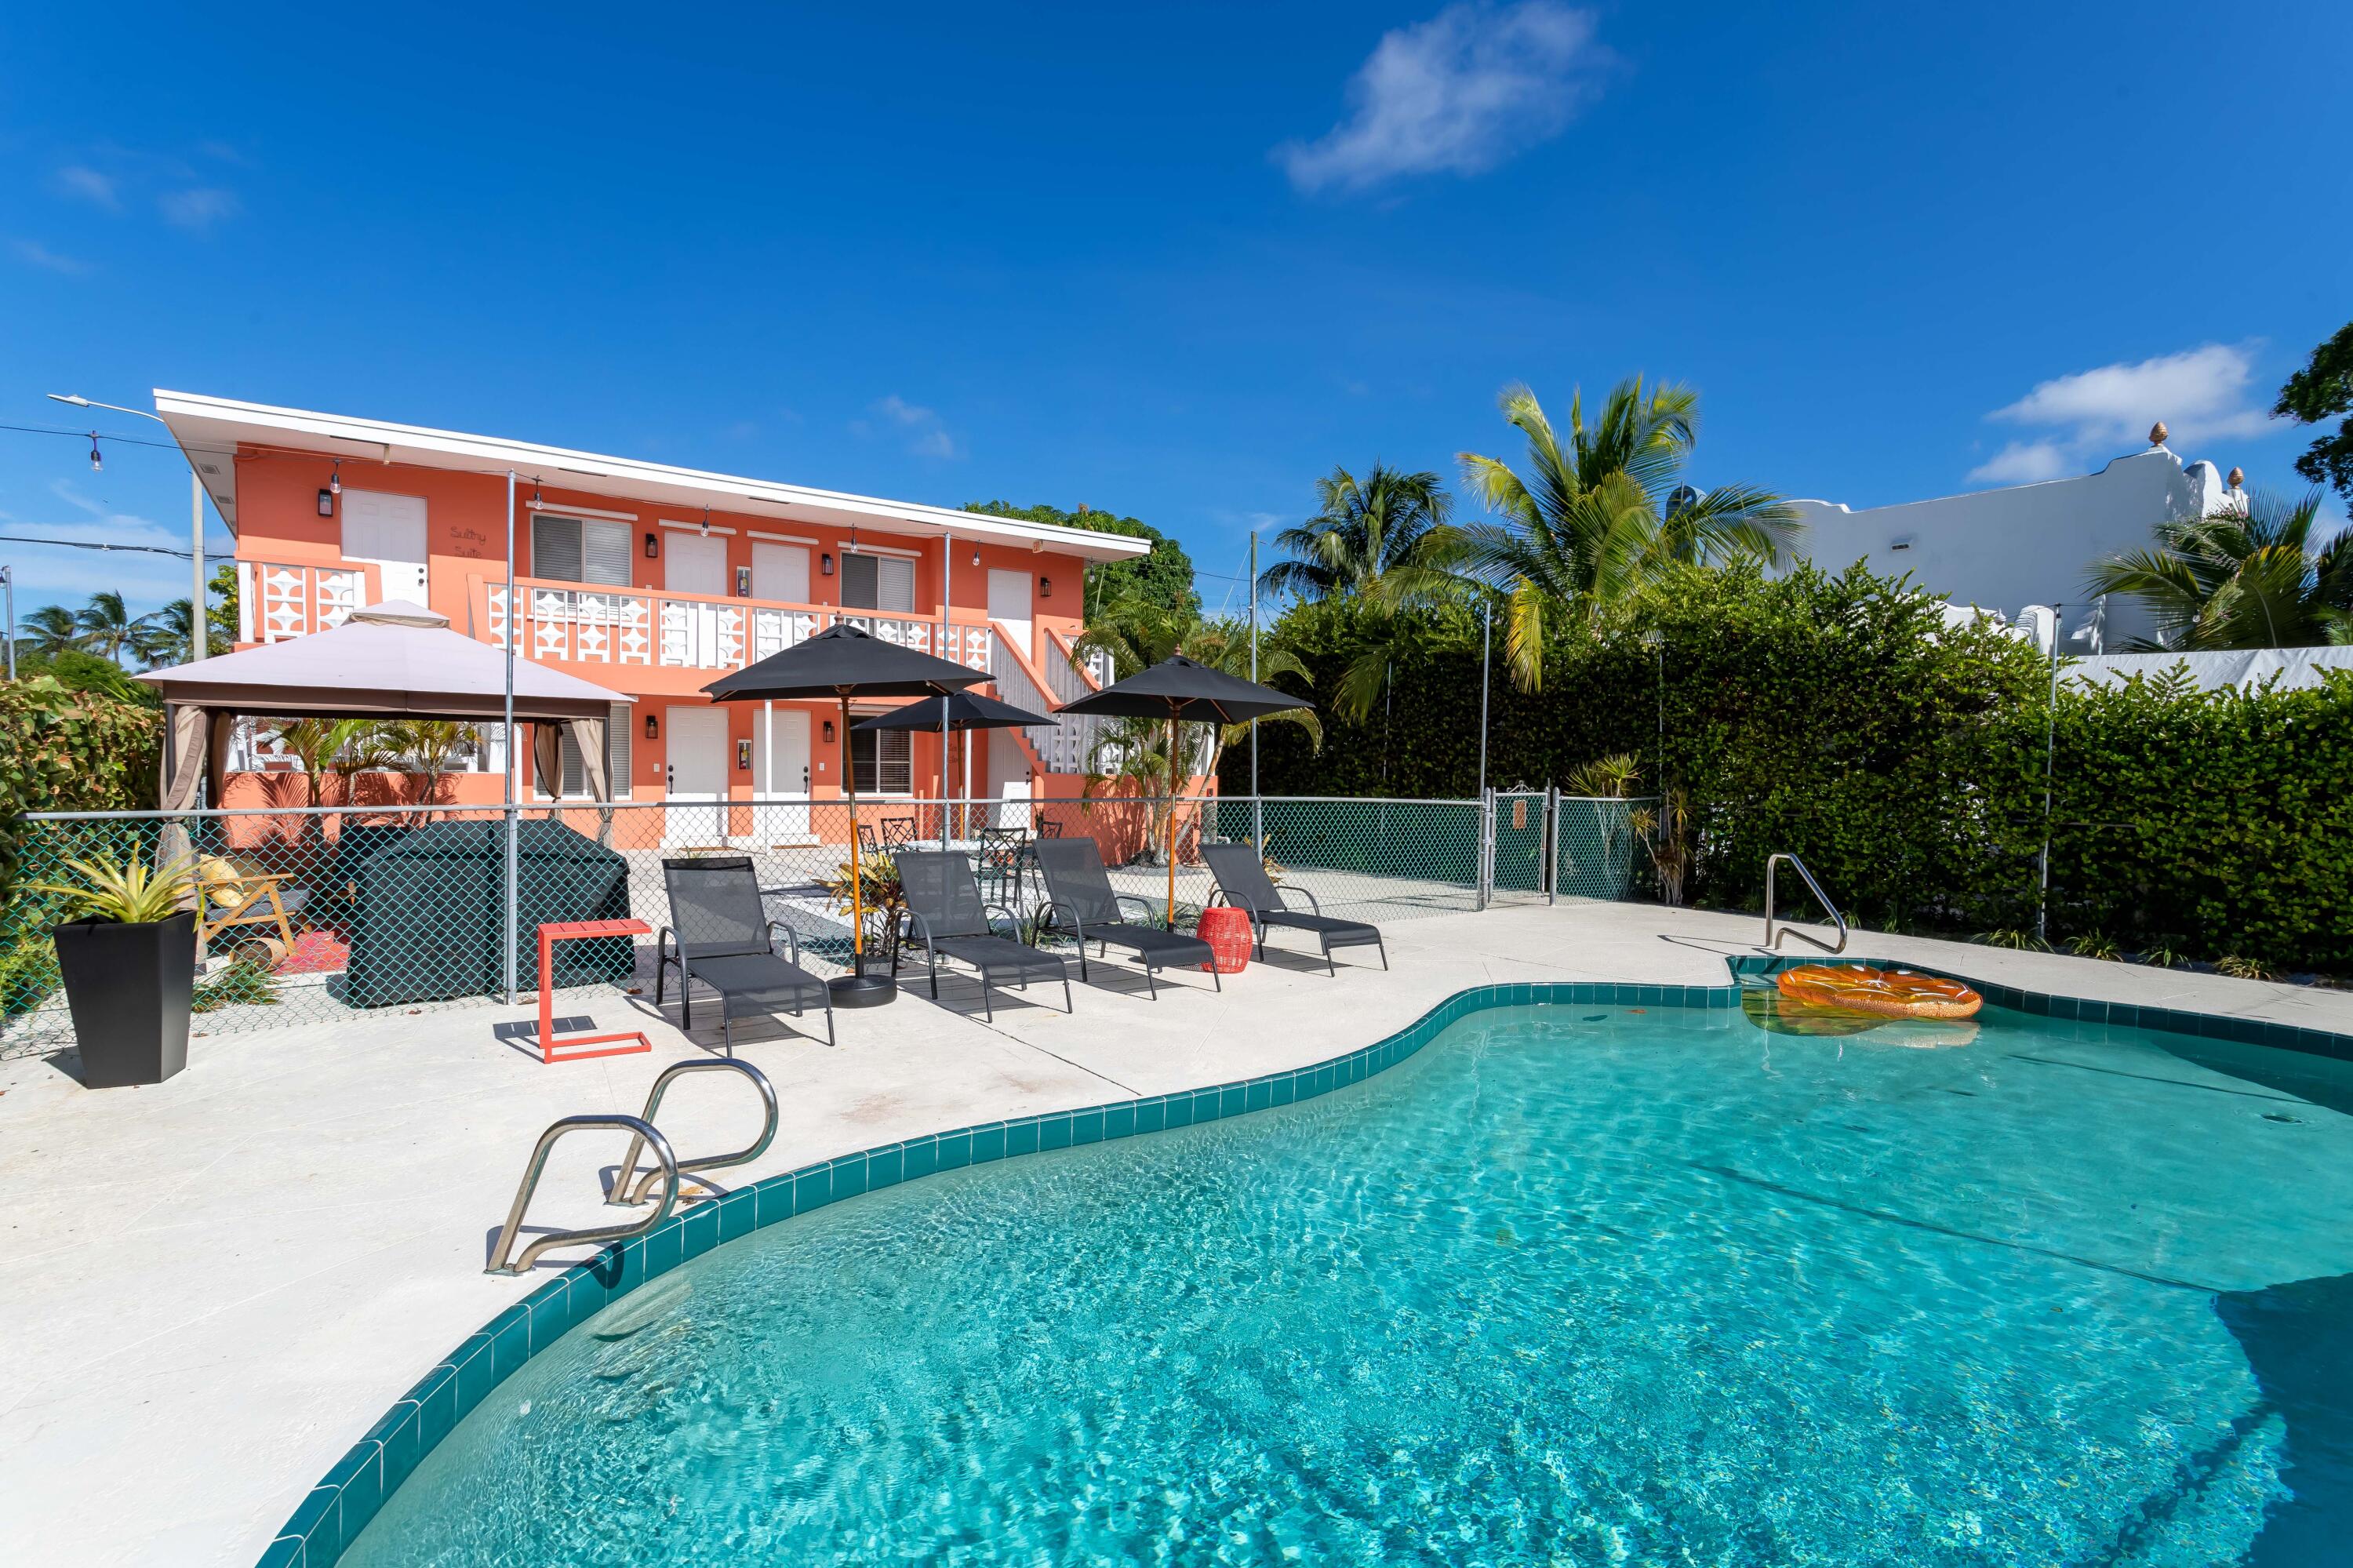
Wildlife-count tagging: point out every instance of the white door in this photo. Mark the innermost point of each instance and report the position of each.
(780, 572)
(1008, 776)
(780, 776)
(692, 563)
(696, 773)
(387, 531)
(1009, 605)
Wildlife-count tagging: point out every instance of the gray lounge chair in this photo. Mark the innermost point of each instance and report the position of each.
(945, 914)
(1080, 901)
(723, 937)
(1243, 880)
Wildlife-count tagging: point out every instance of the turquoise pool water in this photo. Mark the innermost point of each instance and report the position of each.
(1573, 1285)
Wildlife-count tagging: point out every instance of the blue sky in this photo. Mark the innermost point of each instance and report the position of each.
(1176, 264)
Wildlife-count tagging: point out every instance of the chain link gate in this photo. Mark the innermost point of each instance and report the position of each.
(1596, 842)
(1523, 827)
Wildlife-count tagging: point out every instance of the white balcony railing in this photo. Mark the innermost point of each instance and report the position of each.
(1066, 747)
(588, 625)
(276, 600)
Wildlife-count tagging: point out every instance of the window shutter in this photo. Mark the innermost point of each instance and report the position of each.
(895, 581)
(555, 548)
(604, 551)
(617, 750)
(573, 781)
(858, 583)
(898, 752)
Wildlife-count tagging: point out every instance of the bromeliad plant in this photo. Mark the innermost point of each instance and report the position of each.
(123, 892)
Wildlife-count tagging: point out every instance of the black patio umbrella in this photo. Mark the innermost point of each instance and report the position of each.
(1179, 689)
(843, 661)
(964, 710)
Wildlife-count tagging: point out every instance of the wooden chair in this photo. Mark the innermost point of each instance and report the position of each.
(232, 895)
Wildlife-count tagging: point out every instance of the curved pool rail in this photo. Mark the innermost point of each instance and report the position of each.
(347, 1499)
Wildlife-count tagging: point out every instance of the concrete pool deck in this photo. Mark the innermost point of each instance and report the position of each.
(215, 1285)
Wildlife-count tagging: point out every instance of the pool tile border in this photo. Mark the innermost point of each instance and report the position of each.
(346, 1498)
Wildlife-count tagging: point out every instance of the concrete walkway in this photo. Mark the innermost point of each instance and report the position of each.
(214, 1286)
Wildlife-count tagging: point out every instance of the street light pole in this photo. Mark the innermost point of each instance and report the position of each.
(8, 587)
(199, 627)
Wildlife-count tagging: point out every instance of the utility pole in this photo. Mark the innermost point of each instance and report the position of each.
(1257, 808)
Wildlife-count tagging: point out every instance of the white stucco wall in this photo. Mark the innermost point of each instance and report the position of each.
(2030, 544)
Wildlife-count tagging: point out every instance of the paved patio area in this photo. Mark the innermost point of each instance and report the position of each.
(217, 1284)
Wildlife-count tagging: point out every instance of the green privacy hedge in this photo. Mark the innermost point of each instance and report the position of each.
(1837, 716)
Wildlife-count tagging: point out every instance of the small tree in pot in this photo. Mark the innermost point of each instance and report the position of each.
(129, 960)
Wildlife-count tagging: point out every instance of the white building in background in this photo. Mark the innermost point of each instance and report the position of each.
(2017, 551)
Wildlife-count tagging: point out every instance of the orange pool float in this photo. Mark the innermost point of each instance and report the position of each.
(1891, 994)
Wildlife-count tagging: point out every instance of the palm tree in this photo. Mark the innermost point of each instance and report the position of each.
(1138, 634)
(432, 748)
(108, 627)
(162, 637)
(49, 631)
(320, 745)
(1597, 518)
(2240, 579)
(1363, 529)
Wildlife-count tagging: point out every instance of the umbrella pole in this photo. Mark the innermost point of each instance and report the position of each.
(856, 883)
(1173, 785)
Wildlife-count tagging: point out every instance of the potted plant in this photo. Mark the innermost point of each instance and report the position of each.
(128, 956)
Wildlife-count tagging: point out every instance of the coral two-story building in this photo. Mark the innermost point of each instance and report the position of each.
(653, 581)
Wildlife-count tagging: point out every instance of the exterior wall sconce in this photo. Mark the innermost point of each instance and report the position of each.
(828, 732)
(336, 480)
(1045, 587)
(743, 756)
(326, 503)
(825, 569)
(976, 557)
(653, 728)
(653, 546)
(743, 588)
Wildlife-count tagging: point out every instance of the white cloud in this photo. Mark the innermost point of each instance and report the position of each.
(33, 253)
(2199, 394)
(59, 574)
(1456, 94)
(927, 435)
(81, 181)
(2023, 463)
(199, 208)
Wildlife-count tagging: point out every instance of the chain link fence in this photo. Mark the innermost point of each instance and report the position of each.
(312, 917)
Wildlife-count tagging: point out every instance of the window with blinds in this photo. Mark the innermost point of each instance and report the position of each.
(879, 582)
(881, 761)
(580, 550)
(574, 782)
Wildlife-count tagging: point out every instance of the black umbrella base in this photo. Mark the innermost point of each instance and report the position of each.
(862, 991)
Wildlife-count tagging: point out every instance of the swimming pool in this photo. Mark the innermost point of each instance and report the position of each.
(1575, 1283)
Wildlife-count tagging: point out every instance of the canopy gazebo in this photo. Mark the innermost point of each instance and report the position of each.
(394, 660)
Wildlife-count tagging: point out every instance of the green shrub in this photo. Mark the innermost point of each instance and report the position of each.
(1837, 716)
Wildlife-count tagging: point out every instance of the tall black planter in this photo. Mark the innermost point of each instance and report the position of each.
(129, 987)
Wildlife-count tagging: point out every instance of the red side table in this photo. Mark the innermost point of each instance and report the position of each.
(1227, 931)
(556, 932)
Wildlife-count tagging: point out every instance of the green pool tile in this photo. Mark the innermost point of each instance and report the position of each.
(918, 1158)
(885, 1168)
(812, 1188)
(1152, 1114)
(774, 1200)
(397, 1438)
(312, 1512)
(510, 1342)
(1020, 1137)
(1232, 1100)
(665, 1247)
(955, 1149)
(1119, 1120)
(739, 1214)
(476, 1364)
(1176, 1110)
(550, 1317)
(1205, 1105)
(848, 1176)
(361, 1496)
(436, 1398)
(286, 1552)
(1258, 1094)
(701, 1232)
(1086, 1126)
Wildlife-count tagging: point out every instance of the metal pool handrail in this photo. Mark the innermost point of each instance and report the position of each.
(621, 1190)
(1772, 941)
(645, 1133)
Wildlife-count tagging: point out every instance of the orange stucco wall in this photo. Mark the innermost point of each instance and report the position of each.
(278, 521)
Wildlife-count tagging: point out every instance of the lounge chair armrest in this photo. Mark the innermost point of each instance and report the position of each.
(792, 938)
(1010, 918)
(1151, 915)
(920, 927)
(664, 940)
(1313, 905)
(1054, 917)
